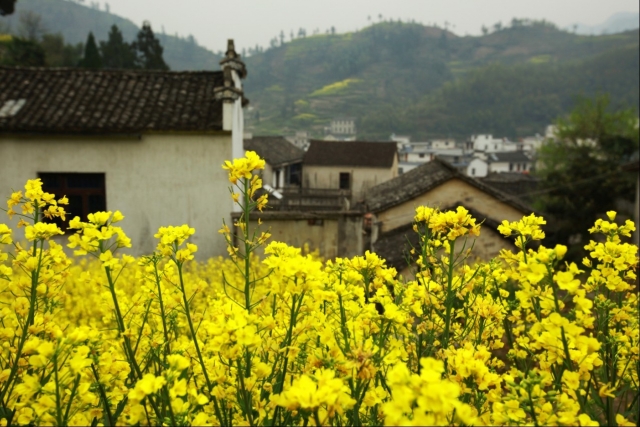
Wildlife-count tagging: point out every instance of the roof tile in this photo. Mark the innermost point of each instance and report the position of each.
(80, 101)
(351, 153)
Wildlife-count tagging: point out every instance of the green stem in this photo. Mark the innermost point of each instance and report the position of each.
(166, 349)
(197, 346)
(29, 322)
(58, 402)
(247, 248)
(76, 383)
(103, 397)
(449, 296)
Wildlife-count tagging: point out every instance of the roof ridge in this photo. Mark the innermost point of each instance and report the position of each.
(107, 70)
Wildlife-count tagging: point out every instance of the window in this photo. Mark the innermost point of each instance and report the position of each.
(473, 171)
(345, 181)
(85, 191)
(510, 167)
(294, 174)
(315, 221)
(421, 155)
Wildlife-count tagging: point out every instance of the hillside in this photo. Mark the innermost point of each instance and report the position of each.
(400, 77)
(74, 21)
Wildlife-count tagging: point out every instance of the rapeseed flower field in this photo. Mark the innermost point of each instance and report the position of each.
(103, 338)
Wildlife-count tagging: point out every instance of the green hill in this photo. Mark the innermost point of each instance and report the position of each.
(74, 21)
(400, 77)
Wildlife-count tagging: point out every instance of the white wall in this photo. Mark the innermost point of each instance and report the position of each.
(477, 168)
(155, 181)
(505, 167)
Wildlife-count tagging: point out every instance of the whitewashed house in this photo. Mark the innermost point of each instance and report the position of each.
(147, 143)
(510, 161)
(485, 144)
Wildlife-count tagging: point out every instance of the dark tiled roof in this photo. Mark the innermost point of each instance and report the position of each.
(517, 184)
(508, 156)
(276, 150)
(394, 246)
(79, 101)
(351, 153)
(424, 178)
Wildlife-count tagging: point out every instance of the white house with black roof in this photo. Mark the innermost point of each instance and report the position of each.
(499, 162)
(147, 143)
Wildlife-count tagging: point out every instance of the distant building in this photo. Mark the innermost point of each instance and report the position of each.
(400, 139)
(497, 162)
(341, 129)
(300, 139)
(283, 160)
(413, 154)
(353, 166)
(343, 126)
(485, 144)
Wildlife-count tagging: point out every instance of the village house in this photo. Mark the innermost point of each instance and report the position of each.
(485, 144)
(147, 143)
(343, 126)
(437, 184)
(283, 168)
(498, 162)
(325, 213)
(350, 166)
(300, 139)
(414, 154)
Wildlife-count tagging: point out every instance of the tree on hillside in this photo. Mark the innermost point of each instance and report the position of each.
(116, 53)
(22, 52)
(580, 172)
(149, 49)
(91, 58)
(7, 7)
(59, 54)
(31, 26)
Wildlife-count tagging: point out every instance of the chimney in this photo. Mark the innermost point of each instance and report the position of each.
(233, 70)
(233, 100)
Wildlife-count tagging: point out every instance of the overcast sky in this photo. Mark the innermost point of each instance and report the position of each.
(249, 22)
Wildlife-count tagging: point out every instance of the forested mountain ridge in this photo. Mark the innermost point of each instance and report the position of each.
(428, 82)
(75, 21)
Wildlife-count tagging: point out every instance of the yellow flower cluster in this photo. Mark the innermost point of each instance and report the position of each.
(244, 167)
(524, 339)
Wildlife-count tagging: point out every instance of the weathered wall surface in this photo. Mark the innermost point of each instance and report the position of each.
(333, 236)
(155, 180)
(488, 244)
(444, 196)
(361, 178)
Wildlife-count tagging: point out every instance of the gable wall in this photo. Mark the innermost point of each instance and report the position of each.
(157, 180)
(447, 195)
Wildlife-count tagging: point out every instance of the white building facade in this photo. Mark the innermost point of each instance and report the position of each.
(154, 153)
